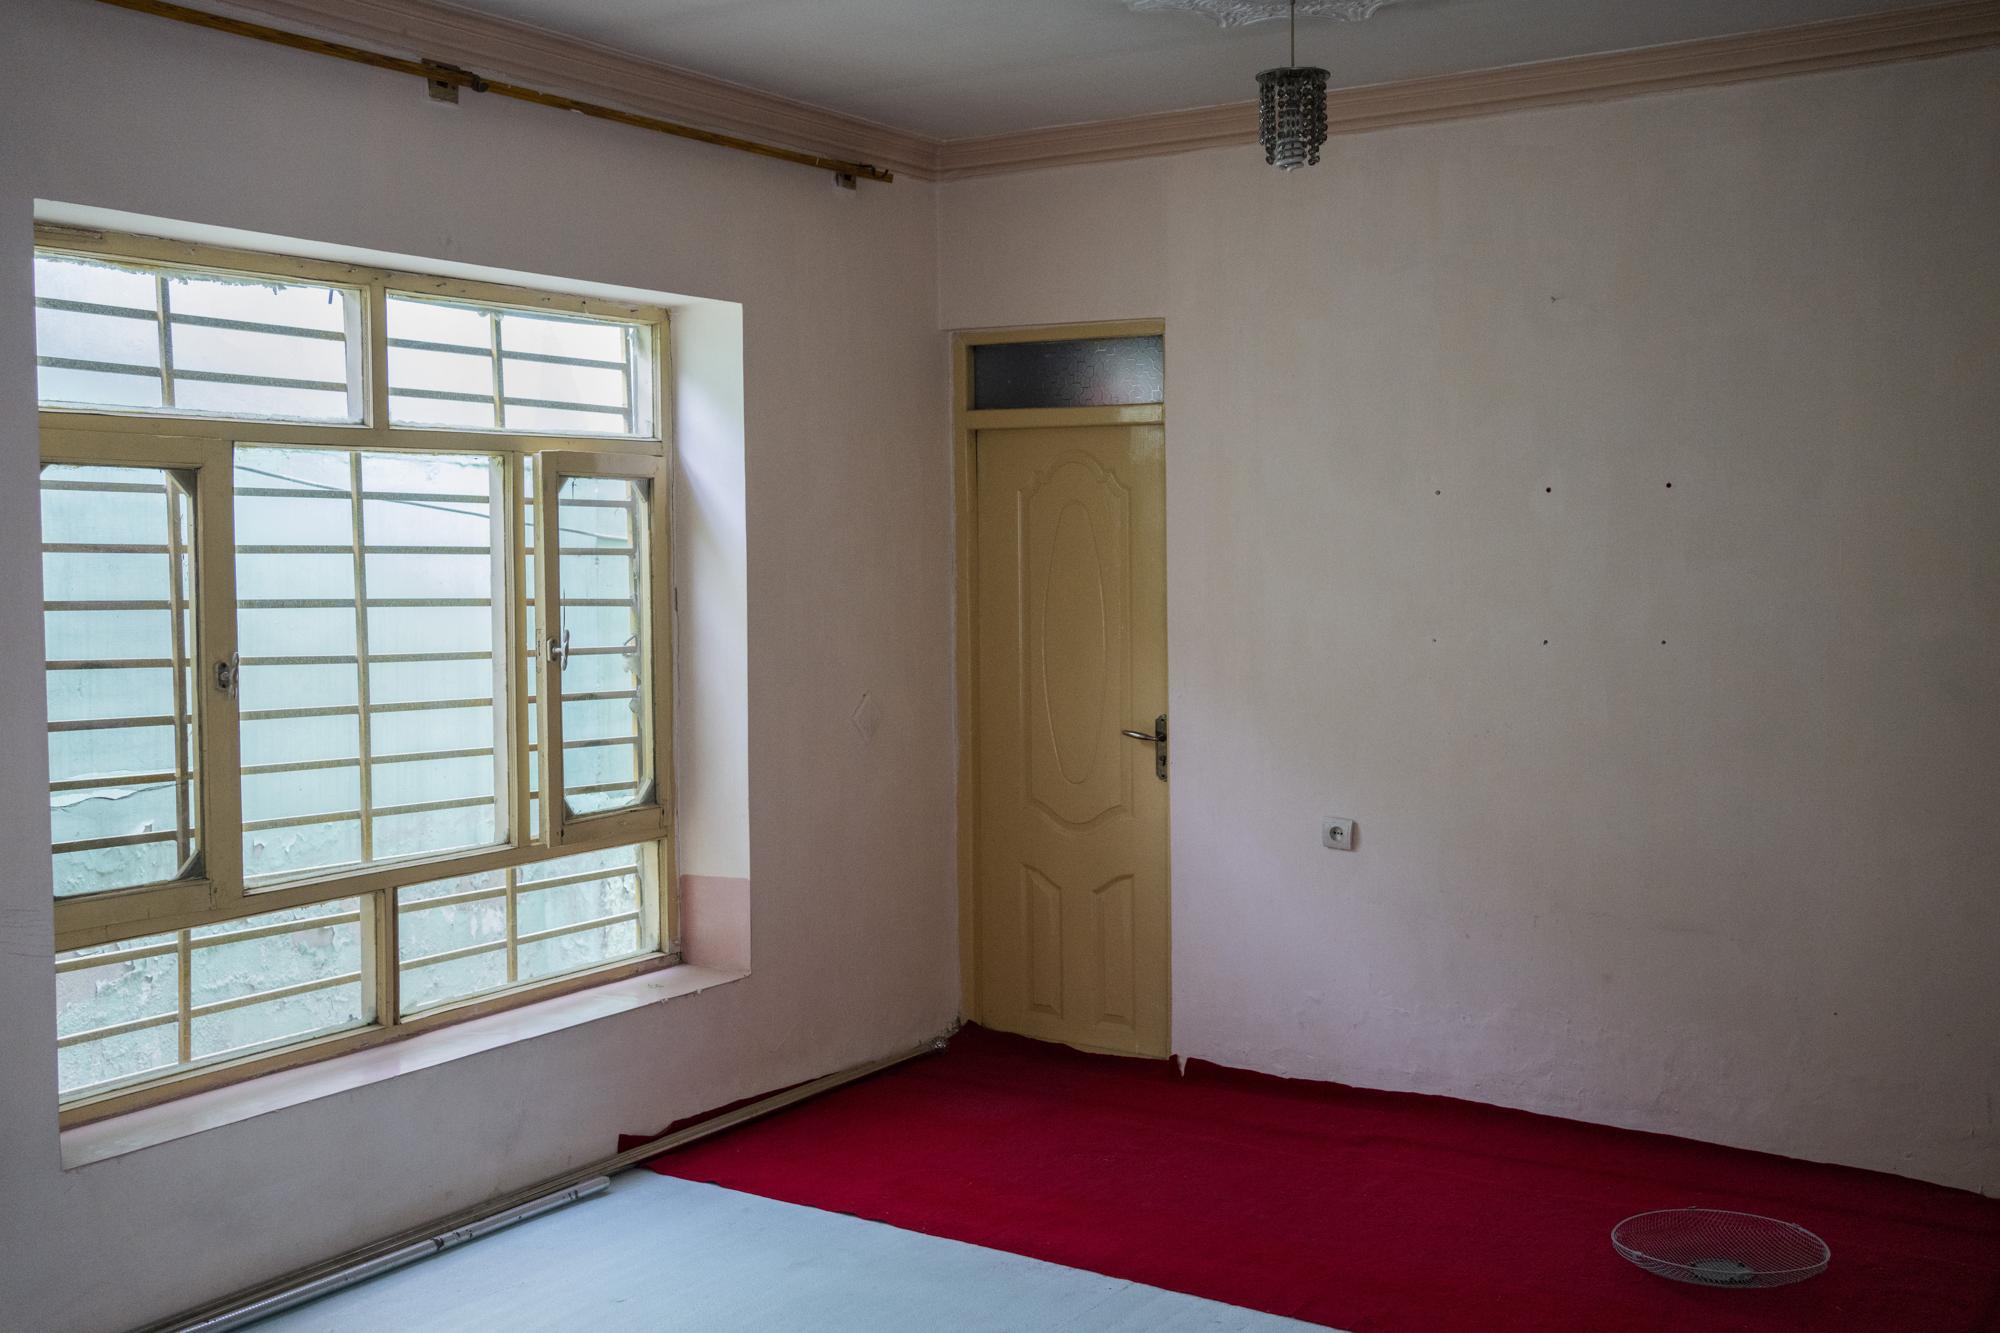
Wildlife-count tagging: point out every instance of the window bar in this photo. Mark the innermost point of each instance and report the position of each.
(354, 351)
(95, 487)
(325, 710)
(453, 955)
(96, 780)
(642, 715)
(499, 372)
(114, 840)
(110, 1030)
(111, 723)
(85, 962)
(578, 927)
(503, 514)
(381, 947)
(341, 816)
(513, 925)
(632, 381)
(462, 898)
(574, 876)
(523, 683)
(166, 342)
(266, 996)
(176, 555)
(372, 329)
(365, 748)
(184, 968)
(298, 927)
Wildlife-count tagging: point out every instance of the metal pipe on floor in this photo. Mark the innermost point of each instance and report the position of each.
(383, 1263)
(393, 1252)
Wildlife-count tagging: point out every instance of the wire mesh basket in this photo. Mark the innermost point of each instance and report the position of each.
(1712, 1247)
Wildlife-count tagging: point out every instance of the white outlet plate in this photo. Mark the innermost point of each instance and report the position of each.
(1337, 833)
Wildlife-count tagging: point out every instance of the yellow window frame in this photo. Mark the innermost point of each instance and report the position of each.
(200, 451)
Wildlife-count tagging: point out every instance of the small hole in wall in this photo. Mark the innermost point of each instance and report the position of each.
(1441, 492)
(1545, 643)
(1670, 485)
(1549, 490)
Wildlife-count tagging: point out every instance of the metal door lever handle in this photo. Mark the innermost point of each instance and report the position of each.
(1157, 738)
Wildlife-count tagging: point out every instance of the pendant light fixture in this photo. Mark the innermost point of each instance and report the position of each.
(1291, 102)
(1291, 109)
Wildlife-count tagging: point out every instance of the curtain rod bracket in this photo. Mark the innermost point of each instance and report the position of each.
(443, 81)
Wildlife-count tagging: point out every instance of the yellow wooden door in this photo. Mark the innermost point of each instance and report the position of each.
(1072, 941)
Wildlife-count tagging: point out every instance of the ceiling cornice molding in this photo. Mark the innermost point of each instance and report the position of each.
(538, 57)
(522, 52)
(1808, 48)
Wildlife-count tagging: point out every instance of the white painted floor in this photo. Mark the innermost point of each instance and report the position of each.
(656, 1253)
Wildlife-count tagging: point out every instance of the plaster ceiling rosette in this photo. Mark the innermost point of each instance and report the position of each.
(1238, 13)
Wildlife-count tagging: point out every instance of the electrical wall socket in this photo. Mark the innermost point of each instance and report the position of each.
(1337, 833)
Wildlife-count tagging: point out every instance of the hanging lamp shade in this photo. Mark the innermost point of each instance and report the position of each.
(1291, 115)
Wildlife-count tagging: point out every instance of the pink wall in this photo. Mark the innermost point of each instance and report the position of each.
(1738, 885)
(815, 506)
(1720, 858)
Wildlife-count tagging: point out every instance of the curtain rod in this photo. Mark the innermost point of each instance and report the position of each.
(445, 81)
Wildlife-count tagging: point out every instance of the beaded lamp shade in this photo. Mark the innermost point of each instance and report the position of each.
(1291, 116)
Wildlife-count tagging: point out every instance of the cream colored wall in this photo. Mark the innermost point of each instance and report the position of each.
(816, 494)
(1720, 857)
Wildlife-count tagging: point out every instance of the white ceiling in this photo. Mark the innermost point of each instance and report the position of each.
(962, 68)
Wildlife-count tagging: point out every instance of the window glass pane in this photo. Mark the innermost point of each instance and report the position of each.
(574, 951)
(1080, 372)
(543, 419)
(441, 365)
(118, 615)
(367, 623)
(606, 685)
(275, 978)
(464, 937)
(552, 373)
(117, 1011)
(257, 982)
(163, 339)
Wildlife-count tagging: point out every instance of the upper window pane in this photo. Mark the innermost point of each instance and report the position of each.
(162, 339)
(1080, 372)
(373, 712)
(455, 364)
(118, 615)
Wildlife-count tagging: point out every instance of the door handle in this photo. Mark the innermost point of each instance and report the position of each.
(1157, 737)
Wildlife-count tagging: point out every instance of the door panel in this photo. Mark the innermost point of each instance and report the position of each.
(1072, 863)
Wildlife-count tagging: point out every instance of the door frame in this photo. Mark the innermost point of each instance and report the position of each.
(966, 424)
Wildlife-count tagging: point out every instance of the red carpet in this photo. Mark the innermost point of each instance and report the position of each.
(1369, 1211)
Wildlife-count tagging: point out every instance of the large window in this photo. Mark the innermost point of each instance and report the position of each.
(300, 525)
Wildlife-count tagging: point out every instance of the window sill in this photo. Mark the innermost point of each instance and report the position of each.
(196, 1114)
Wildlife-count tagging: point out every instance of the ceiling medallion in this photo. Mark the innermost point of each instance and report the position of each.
(1236, 13)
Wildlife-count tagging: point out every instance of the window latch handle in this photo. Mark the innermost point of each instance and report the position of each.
(228, 675)
(559, 650)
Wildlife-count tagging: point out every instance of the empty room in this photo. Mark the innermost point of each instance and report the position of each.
(923, 665)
